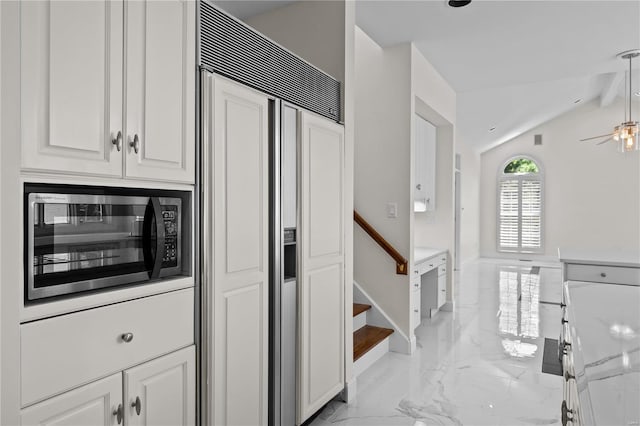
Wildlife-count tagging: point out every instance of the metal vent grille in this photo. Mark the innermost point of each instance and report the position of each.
(234, 50)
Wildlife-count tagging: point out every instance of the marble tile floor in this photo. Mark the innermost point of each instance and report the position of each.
(479, 365)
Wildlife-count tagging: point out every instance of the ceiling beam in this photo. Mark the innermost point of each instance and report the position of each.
(610, 89)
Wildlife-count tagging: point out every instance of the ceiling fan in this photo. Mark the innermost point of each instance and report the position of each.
(626, 133)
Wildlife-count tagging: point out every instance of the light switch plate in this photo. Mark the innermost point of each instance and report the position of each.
(392, 210)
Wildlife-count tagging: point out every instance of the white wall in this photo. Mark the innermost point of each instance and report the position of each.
(392, 85)
(11, 223)
(591, 192)
(435, 101)
(382, 154)
(470, 202)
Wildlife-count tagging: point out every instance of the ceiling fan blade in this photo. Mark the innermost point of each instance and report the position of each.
(606, 140)
(596, 137)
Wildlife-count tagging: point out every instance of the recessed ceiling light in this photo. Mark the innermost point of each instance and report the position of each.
(459, 3)
(577, 101)
(492, 129)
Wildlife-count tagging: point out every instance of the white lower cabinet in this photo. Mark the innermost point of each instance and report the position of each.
(159, 392)
(92, 404)
(162, 391)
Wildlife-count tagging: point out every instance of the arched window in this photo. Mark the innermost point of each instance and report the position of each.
(520, 205)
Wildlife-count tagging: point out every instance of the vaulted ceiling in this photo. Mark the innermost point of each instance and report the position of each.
(513, 64)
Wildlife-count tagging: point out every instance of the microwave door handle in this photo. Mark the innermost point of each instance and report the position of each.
(160, 236)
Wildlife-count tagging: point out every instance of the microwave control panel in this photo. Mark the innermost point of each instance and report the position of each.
(171, 240)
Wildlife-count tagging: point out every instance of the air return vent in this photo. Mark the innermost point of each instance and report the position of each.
(230, 48)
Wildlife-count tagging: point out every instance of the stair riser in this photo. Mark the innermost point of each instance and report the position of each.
(368, 359)
(360, 320)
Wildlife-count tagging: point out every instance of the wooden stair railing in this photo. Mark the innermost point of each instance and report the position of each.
(401, 262)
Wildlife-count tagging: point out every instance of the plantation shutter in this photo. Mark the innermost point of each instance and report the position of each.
(530, 217)
(520, 219)
(509, 214)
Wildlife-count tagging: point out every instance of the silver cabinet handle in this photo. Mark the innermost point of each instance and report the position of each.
(603, 275)
(137, 405)
(443, 290)
(565, 414)
(415, 272)
(431, 265)
(135, 144)
(418, 187)
(415, 310)
(118, 413)
(416, 285)
(118, 141)
(127, 337)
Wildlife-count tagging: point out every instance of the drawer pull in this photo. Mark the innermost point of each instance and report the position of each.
(565, 414)
(127, 337)
(416, 285)
(443, 290)
(603, 275)
(431, 265)
(563, 321)
(415, 272)
(118, 413)
(137, 405)
(415, 310)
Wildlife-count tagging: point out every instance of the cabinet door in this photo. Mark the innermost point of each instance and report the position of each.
(71, 85)
(93, 404)
(442, 290)
(321, 297)
(160, 90)
(162, 391)
(238, 176)
(424, 166)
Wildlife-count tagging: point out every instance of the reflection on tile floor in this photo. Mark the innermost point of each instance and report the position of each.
(479, 365)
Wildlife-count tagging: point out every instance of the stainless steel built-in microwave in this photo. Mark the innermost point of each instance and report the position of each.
(83, 238)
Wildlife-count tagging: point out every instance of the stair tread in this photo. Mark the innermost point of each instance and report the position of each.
(366, 338)
(359, 308)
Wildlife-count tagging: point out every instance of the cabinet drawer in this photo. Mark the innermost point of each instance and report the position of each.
(64, 352)
(442, 290)
(603, 274)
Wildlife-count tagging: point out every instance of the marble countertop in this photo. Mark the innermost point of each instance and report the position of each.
(604, 325)
(420, 254)
(600, 257)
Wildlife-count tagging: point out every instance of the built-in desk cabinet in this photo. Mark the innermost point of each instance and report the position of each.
(428, 287)
(108, 88)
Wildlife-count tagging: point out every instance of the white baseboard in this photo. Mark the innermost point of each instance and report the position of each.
(448, 306)
(348, 394)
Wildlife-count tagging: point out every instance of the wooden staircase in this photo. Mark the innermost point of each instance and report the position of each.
(370, 343)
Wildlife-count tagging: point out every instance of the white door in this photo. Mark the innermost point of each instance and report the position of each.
(160, 90)
(71, 86)
(162, 391)
(94, 404)
(321, 271)
(240, 203)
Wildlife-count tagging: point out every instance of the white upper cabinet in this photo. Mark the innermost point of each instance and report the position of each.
(99, 103)
(71, 86)
(160, 92)
(424, 191)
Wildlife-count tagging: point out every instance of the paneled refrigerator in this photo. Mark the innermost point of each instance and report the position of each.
(272, 192)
